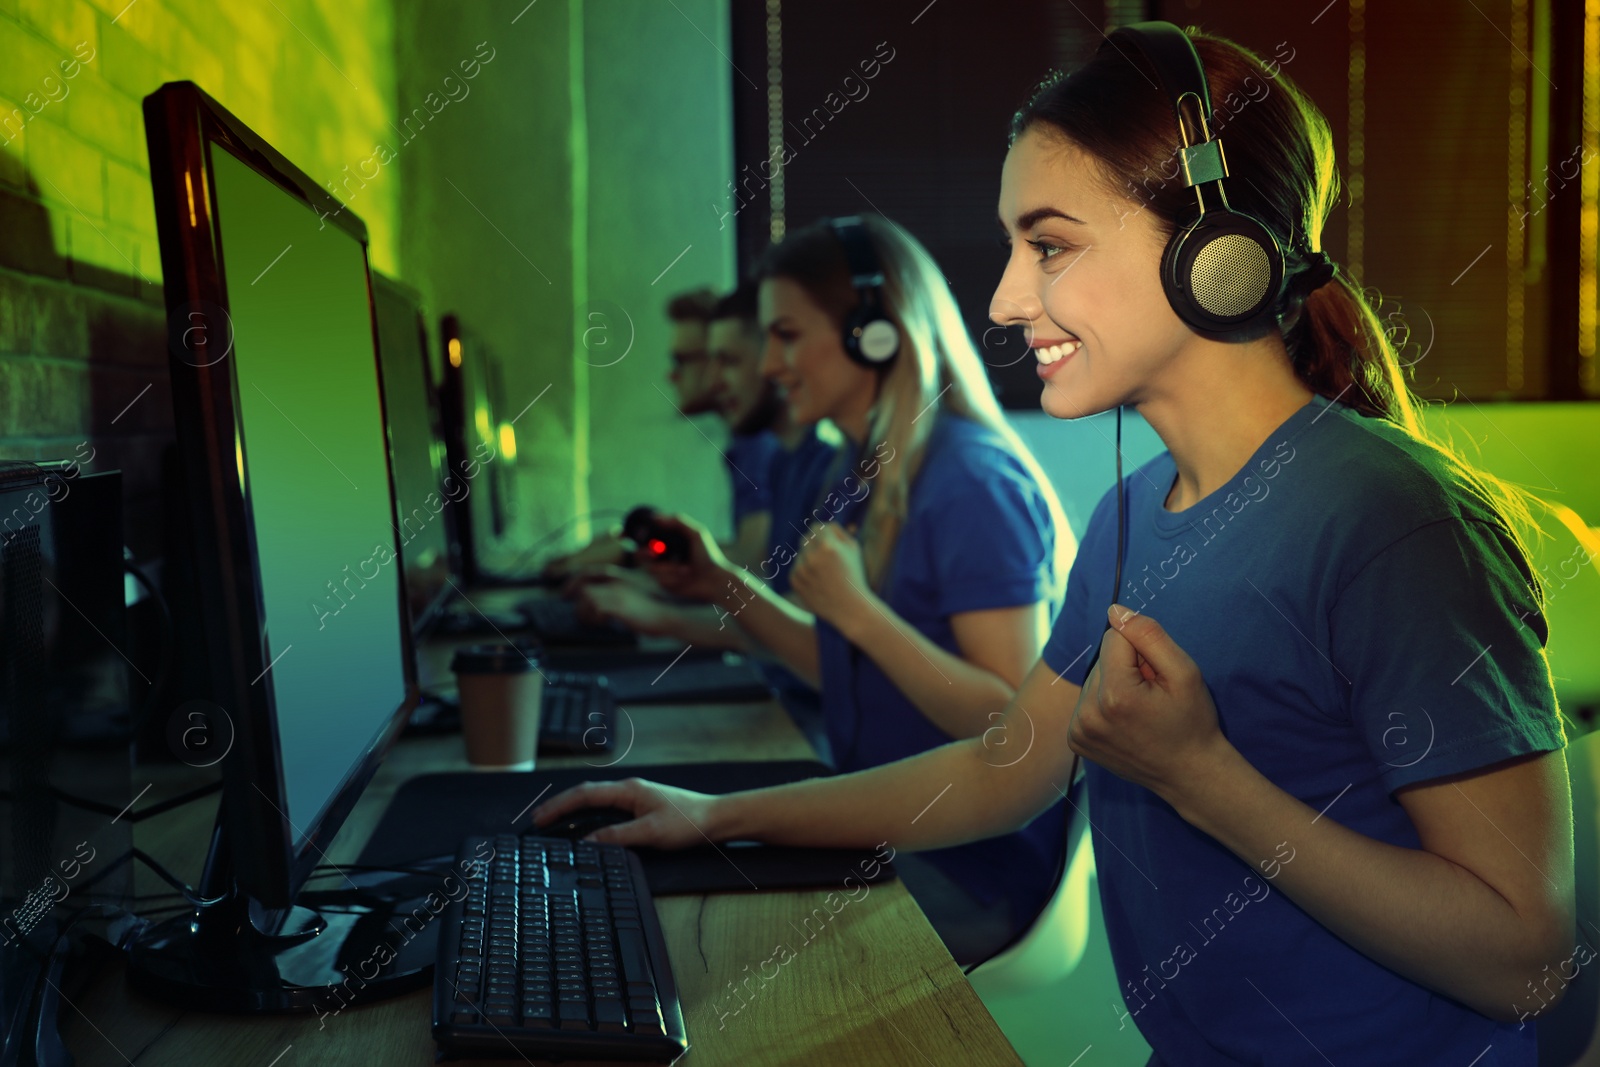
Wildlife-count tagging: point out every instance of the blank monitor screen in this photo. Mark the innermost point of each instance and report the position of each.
(313, 457)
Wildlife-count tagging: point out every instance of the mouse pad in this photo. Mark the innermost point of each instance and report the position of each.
(431, 813)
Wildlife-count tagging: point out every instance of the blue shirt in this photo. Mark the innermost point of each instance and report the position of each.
(1363, 622)
(749, 458)
(799, 477)
(977, 536)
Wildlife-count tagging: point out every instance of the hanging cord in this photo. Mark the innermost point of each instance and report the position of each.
(1122, 522)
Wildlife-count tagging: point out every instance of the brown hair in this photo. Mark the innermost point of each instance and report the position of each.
(1281, 163)
(693, 306)
(739, 304)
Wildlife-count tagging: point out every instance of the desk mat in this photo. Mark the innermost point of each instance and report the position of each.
(431, 813)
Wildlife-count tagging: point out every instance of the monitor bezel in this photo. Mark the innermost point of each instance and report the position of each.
(182, 124)
(461, 386)
(413, 300)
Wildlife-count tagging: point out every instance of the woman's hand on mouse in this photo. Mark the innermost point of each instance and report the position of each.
(707, 574)
(830, 579)
(664, 817)
(1144, 713)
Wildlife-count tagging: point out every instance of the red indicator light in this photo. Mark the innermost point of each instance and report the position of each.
(657, 547)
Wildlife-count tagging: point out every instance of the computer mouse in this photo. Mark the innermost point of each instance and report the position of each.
(576, 825)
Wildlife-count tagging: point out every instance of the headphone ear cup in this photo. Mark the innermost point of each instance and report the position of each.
(870, 339)
(1222, 271)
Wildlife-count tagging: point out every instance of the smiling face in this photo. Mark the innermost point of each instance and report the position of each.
(743, 397)
(1083, 280)
(689, 374)
(805, 356)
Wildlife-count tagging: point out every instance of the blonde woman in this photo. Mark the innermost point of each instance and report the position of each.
(928, 575)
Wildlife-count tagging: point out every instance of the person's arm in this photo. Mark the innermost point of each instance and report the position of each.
(1475, 913)
(607, 549)
(963, 791)
(961, 694)
(749, 544)
(624, 602)
(784, 629)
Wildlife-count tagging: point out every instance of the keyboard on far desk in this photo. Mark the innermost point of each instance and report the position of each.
(576, 714)
(555, 953)
(556, 622)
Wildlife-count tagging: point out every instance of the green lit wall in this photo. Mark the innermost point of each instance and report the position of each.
(488, 198)
(524, 213)
(660, 148)
(83, 360)
(316, 80)
(494, 151)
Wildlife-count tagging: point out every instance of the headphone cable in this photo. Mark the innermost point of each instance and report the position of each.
(1122, 522)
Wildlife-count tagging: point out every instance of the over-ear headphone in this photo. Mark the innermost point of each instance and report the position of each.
(870, 338)
(1224, 269)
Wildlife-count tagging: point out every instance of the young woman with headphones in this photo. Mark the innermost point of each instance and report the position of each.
(1331, 813)
(927, 576)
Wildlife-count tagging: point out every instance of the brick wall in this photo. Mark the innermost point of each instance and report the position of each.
(82, 334)
(494, 207)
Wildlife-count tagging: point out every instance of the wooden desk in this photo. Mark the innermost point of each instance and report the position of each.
(871, 984)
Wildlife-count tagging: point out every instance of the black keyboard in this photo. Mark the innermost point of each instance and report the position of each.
(576, 714)
(555, 952)
(556, 622)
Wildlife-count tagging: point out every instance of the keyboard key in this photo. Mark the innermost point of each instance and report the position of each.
(635, 957)
(608, 1015)
(572, 1015)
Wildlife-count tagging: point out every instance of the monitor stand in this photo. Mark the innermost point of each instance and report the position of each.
(371, 938)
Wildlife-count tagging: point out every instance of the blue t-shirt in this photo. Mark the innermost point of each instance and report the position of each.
(799, 477)
(749, 458)
(977, 536)
(798, 480)
(1356, 611)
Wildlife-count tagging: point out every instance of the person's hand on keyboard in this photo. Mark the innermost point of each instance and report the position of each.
(664, 817)
(608, 547)
(624, 602)
(594, 573)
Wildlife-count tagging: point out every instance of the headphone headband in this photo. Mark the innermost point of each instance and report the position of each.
(859, 255)
(1224, 270)
(870, 338)
(1172, 54)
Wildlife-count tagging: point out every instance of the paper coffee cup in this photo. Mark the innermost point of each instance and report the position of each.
(500, 691)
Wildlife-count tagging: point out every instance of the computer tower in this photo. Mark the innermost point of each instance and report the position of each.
(64, 730)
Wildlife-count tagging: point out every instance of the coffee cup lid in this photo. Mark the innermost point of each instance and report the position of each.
(494, 659)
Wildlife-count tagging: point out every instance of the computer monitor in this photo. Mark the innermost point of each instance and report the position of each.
(472, 445)
(416, 450)
(279, 413)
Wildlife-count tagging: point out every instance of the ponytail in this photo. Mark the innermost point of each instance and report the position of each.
(1340, 350)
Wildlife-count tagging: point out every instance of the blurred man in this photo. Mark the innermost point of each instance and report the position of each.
(788, 464)
(690, 313)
